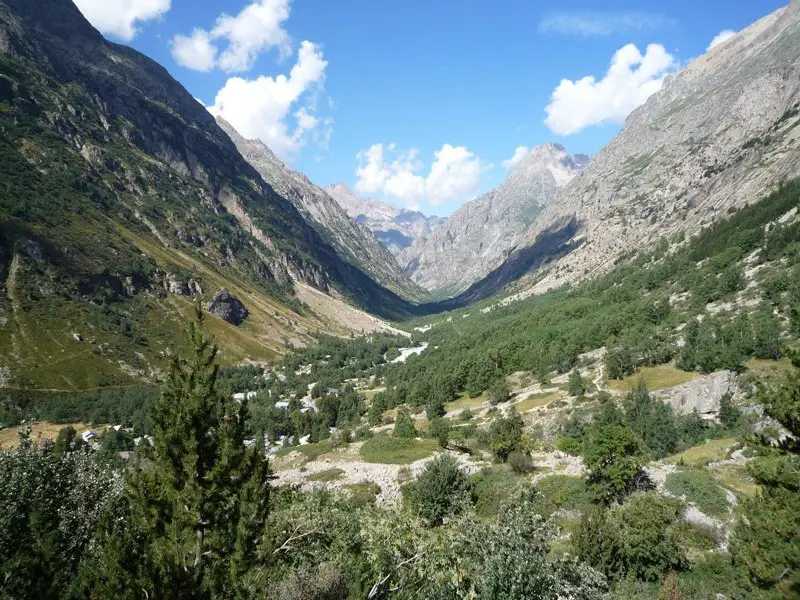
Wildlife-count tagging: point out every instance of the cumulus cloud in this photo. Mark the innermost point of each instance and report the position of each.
(631, 79)
(722, 36)
(519, 153)
(276, 110)
(120, 17)
(257, 28)
(454, 174)
(595, 24)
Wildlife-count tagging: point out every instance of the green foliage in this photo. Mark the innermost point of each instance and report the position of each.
(576, 386)
(569, 445)
(440, 491)
(50, 507)
(520, 462)
(198, 507)
(700, 487)
(564, 492)
(729, 415)
(499, 391)
(439, 429)
(766, 543)
(396, 451)
(404, 425)
(652, 421)
(614, 456)
(505, 435)
(634, 539)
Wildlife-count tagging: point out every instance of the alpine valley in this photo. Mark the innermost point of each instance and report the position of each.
(219, 379)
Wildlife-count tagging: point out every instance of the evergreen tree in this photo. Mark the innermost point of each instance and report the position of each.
(197, 508)
(614, 457)
(728, 414)
(577, 387)
(766, 544)
(404, 425)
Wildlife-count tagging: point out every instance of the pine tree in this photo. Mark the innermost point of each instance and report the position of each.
(198, 506)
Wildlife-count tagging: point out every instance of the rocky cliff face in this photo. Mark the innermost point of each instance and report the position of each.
(479, 236)
(721, 133)
(396, 228)
(354, 242)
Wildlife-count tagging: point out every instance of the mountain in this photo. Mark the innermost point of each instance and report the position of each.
(720, 134)
(353, 241)
(397, 228)
(121, 198)
(479, 236)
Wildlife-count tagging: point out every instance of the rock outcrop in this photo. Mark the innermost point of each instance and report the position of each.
(479, 236)
(228, 307)
(702, 395)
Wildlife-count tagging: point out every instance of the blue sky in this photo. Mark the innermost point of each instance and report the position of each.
(420, 103)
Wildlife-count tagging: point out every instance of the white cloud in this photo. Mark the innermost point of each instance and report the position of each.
(454, 174)
(722, 36)
(276, 110)
(257, 28)
(120, 17)
(195, 51)
(594, 24)
(519, 153)
(630, 81)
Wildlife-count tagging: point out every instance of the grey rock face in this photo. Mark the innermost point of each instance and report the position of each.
(720, 134)
(702, 395)
(480, 235)
(396, 228)
(354, 243)
(228, 307)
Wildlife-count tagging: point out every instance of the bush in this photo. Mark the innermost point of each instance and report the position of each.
(576, 386)
(404, 425)
(441, 490)
(634, 539)
(520, 462)
(564, 491)
(701, 488)
(439, 429)
(614, 456)
(569, 445)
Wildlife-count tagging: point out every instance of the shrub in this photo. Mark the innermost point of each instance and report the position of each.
(404, 425)
(576, 386)
(564, 491)
(520, 462)
(634, 539)
(615, 457)
(699, 486)
(569, 445)
(441, 490)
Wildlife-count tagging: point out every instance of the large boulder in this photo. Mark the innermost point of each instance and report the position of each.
(227, 307)
(702, 394)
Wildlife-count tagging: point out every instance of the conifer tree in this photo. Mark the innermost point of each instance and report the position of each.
(197, 506)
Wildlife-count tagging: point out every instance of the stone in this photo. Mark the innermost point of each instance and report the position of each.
(228, 308)
(702, 394)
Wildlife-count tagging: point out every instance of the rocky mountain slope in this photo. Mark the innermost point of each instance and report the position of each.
(479, 236)
(353, 241)
(397, 228)
(121, 197)
(720, 134)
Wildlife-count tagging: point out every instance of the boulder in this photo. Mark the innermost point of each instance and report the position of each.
(227, 307)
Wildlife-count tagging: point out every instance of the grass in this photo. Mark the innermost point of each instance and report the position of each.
(9, 437)
(700, 487)
(310, 451)
(493, 486)
(700, 455)
(696, 537)
(464, 401)
(564, 491)
(327, 475)
(769, 368)
(736, 479)
(396, 451)
(536, 401)
(363, 494)
(656, 378)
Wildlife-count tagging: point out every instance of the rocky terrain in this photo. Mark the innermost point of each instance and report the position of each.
(479, 236)
(354, 241)
(397, 228)
(721, 133)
